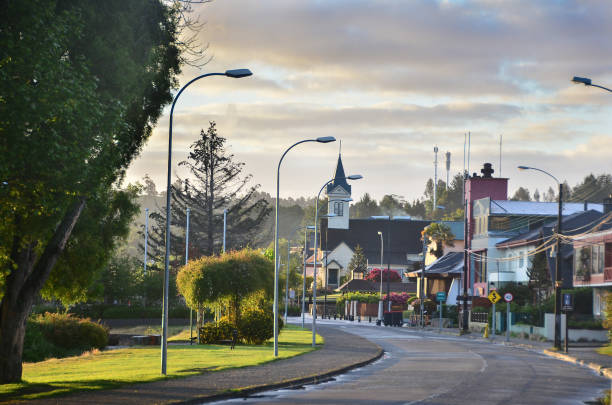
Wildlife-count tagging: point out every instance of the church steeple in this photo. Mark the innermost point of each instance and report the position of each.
(338, 195)
(339, 178)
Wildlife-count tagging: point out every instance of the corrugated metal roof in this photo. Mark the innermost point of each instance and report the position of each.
(507, 207)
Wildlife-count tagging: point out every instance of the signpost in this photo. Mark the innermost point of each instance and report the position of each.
(493, 297)
(440, 297)
(508, 297)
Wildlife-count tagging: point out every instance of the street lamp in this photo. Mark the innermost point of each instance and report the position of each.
(380, 302)
(558, 279)
(322, 139)
(236, 74)
(587, 82)
(314, 286)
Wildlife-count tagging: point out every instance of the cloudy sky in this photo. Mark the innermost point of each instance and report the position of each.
(392, 79)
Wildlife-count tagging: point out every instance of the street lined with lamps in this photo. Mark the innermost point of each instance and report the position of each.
(236, 74)
(323, 139)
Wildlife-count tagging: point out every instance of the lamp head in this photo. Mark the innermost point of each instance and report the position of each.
(310, 227)
(380, 233)
(238, 73)
(355, 177)
(584, 80)
(524, 167)
(325, 139)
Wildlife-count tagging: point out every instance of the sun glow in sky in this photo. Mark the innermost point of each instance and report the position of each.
(391, 79)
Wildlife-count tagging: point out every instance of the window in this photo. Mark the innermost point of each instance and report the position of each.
(332, 276)
(597, 259)
(521, 261)
(499, 223)
(339, 208)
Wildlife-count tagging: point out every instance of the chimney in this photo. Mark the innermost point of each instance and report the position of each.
(487, 171)
(607, 205)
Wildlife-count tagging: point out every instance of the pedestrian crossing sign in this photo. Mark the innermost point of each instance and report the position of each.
(494, 297)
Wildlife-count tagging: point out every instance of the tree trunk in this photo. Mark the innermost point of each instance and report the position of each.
(22, 285)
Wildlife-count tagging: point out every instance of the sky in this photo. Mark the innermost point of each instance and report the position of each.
(391, 80)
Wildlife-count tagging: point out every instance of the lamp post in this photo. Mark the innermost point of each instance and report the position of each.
(322, 139)
(380, 302)
(314, 286)
(558, 279)
(236, 74)
(306, 229)
(587, 82)
(224, 227)
(146, 241)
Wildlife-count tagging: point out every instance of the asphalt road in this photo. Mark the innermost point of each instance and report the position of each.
(423, 369)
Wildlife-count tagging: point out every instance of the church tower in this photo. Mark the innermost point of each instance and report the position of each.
(338, 192)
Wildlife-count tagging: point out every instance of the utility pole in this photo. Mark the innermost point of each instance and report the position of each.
(146, 239)
(435, 185)
(558, 273)
(448, 160)
(422, 283)
(224, 227)
(388, 266)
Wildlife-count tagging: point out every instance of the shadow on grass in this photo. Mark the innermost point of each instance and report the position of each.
(26, 390)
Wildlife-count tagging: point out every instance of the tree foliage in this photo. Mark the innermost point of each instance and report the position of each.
(387, 275)
(218, 184)
(81, 88)
(358, 262)
(228, 279)
(441, 234)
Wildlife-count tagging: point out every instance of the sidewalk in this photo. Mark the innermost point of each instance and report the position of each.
(341, 352)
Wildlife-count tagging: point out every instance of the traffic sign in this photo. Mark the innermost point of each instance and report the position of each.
(440, 296)
(494, 296)
(508, 297)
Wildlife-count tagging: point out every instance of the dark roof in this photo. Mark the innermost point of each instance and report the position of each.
(573, 224)
(405, 238)
(374, 286)
(339, 178)
(449, 264)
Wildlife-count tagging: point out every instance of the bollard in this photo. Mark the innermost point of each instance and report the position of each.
(358, 318)
(369, 319)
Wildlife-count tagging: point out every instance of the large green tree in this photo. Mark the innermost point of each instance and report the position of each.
(82, 84)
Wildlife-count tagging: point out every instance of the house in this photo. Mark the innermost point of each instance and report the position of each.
(493, 219)
(517, 252)
(445, 274)
(593, 260)
(340, 235)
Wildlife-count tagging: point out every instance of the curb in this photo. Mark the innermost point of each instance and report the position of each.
(313, 379)
(599, 369)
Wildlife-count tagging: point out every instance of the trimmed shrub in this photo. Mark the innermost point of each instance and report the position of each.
(61, 335)
(214, 332)
(70, 332)
(256, 326)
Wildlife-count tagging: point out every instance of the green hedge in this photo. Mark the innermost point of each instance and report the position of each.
(255, 327)
(106, 311)
(61, 335)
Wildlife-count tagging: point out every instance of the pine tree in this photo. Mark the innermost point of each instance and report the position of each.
(218, 184)
(358, 262)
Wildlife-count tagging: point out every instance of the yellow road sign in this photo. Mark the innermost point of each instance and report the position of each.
(494, 297)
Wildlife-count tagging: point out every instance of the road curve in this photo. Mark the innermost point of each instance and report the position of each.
(421, 368)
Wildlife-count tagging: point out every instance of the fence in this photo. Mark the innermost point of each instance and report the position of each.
(480, 317)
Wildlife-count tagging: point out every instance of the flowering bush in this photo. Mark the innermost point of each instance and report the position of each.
(399, 298)
(388, 275)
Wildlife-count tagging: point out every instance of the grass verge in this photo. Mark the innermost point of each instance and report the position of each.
(607, 350)
(113, 368)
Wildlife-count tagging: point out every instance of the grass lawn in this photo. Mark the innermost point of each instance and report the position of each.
(607, 350)
(113, 368)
